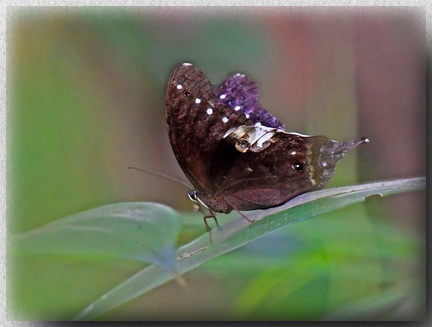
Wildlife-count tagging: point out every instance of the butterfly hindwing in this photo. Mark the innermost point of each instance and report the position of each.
(253, 180)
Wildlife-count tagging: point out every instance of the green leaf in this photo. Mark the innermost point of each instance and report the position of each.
(239, 232)
(144, 232)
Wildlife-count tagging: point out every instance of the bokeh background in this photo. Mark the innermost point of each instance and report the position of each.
(86, 100)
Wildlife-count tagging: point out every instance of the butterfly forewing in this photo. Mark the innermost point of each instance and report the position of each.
(196, 122)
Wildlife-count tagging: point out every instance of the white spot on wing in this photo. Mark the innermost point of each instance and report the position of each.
(209, 111)
(179, 87)
(224, 119)
(222, 96)
(237, 108)
(258, 124)
(293, 152)
(238, 132)
(295, 133)
(264, 138)
(197, 100)
(247, 116)
(257, 137)
(232, 129)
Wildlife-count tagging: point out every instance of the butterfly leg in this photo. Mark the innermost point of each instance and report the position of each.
(240, 213)
(244, 216)
(212, 215)
(208, 229)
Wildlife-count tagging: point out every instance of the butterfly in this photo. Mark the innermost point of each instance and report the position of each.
(235, 153)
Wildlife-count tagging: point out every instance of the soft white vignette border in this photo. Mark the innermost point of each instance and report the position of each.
(5, 18)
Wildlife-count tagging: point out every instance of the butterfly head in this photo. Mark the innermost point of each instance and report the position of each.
(208, 202)
(197, 202)
(193, 197)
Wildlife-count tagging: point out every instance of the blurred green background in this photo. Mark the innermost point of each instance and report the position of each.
(86, 100)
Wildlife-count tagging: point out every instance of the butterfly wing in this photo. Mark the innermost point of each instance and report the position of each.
(241, 94)
(268, 175)
(197, 123)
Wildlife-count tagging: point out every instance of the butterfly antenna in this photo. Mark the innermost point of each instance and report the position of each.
(163, 176)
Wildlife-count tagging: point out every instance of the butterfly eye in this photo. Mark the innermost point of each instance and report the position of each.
(193, 196)
(298, 166)
(187, 94)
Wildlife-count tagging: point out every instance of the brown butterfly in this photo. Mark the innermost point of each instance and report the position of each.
(237, 155)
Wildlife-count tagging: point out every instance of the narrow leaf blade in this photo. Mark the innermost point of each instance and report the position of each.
(239, 232)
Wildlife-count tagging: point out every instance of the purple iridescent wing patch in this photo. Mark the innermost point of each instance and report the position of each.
(241, 94)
